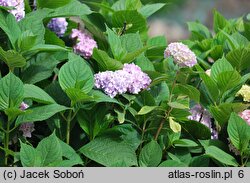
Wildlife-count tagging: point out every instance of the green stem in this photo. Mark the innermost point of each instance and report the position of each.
(87, 160)
(2, 148)
(162, 123)
(244, 164)
(3, 129)
(68, 127)
(133, 123)
(187, 77)
(143, 133)
(68, 132)
(168, 111)
(6, 143)
(63, 116)
(74, 115)
(68, 121)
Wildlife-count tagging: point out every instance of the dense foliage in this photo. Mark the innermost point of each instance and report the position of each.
(82, 84)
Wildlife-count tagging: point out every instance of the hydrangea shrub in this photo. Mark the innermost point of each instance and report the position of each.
(87, 83)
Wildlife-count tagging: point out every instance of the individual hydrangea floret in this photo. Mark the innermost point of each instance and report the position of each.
(58, 25)
(245, 93)
(181, 54)
(245, 115)
(85, 43)
(4, 2)
(24, 106)
(26, 128)
(198, 113)
(18, 5)
(130, 79)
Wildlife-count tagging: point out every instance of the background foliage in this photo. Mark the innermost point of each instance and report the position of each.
(78, 125)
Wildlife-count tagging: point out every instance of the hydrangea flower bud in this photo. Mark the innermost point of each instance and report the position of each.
(245, 93)
(208, 72)
(85, 43)
(198, 113)
(58, 25)
(18, 5)
(26, 128)
(130, 79)
(245, 115)
(181, 54)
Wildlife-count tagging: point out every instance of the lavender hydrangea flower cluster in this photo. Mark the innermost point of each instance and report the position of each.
(85, 43)
(58, 25)
(181, 54)
(18, 5)
(130, 79)
(26, 128)
(198, 113)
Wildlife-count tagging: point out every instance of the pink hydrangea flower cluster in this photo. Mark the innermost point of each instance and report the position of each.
(18, 5)
(58, 25)
(26, 128)
(130, 79)
(198, 113)
(181, 54)
(245, 115)
(85, 43)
